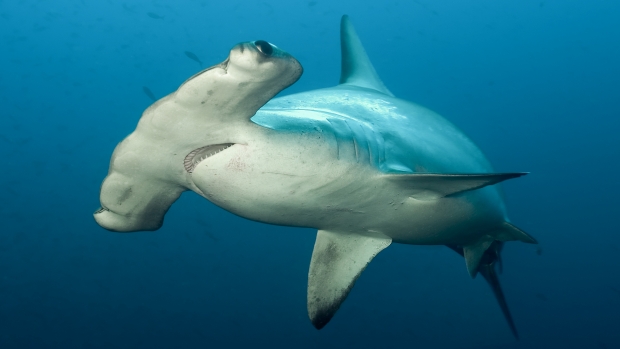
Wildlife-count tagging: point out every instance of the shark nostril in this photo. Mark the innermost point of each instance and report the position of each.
(264, 47)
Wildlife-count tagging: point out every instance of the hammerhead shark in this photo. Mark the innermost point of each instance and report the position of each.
(364, 168)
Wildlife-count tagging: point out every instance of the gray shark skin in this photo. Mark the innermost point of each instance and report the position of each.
(361, 166)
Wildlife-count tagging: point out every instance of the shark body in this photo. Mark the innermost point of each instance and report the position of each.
(361, 166)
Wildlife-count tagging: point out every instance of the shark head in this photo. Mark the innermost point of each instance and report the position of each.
(206, 115)
(252, 74)
(225, 96)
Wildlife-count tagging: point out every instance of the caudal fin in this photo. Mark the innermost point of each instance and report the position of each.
(489, 258)
(487, 270)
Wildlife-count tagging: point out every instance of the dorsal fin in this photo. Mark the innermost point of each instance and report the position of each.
(357, 69)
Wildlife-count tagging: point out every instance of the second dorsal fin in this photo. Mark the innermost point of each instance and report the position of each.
(357, 70)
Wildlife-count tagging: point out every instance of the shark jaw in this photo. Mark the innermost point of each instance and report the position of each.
(198, 155)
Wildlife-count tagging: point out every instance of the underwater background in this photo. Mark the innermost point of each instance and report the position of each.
(536, 84)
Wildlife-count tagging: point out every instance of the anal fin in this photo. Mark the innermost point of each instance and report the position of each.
(337, 261)
(474, 253)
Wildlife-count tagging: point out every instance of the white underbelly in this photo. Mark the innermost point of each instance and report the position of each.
(301, 181)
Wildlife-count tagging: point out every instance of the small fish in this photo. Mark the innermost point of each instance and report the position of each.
(129, 8)
(149, 93)
(211, 236)
(193, 57)
(207, 230)
(154, 15)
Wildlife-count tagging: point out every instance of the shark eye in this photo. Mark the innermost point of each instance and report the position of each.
(264, 47)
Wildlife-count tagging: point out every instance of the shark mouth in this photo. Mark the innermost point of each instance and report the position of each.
(197, 155)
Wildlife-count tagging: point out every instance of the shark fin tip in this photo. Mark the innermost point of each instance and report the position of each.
(320, 320)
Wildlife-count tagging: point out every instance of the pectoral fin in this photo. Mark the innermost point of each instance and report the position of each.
(337, 261)
(430, 186)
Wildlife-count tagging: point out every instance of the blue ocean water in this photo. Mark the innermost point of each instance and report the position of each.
(534, 83)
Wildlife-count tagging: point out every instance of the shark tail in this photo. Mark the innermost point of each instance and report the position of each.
(483, 256)
(487, 270)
